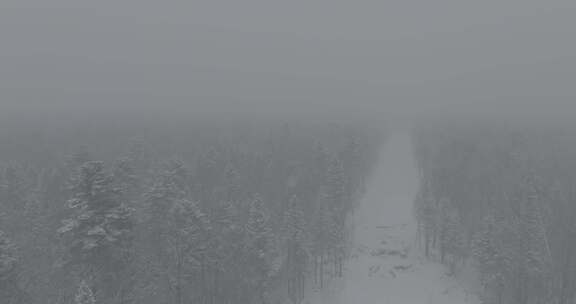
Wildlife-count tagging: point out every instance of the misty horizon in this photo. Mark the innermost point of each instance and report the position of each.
(493, 58)
(287, 152)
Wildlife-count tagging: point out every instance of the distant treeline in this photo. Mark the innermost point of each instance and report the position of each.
(185, 213)
(503, 197)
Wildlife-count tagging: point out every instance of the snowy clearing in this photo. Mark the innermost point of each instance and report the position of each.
(386, 265)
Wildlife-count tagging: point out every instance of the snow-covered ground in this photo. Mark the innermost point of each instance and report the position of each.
(387, 267)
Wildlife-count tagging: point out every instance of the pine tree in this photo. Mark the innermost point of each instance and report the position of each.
(177, 228)
(187, 238)
(99, 229)
(10, 291)
(126, 178)
(258, 215)
(139, 155)
(336, 201)
(232, 185)
(534, 241)
(8, 257)
(336, 193)
(320, 165)
(418, 212)
(226, 218)
(453, 240)
(351, 163)
(491, 258)
(227, 248)
(78, 158)
(207, 175)
(84, 294)
(163, 193)
(427, 217)
(260, 246)
(169, 186)
(189, 223)
(322, 242)
(296, 256)
(294, 224)
(13, 189)
(158, 201)
(332, 221)
(537, 251)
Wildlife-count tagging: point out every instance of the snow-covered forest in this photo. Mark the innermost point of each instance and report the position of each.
(286, 212)
(287, 152)
(500, 196)
(204, 213)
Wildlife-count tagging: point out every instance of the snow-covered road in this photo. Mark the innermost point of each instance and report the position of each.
(386, 267)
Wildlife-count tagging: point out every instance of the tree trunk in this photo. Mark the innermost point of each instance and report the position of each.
(316, 271)
(322, 271)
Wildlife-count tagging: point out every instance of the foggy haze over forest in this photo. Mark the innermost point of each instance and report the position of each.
(287, 152)
(492, 57)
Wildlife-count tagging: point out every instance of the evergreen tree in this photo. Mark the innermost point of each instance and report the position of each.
(78, 158)
(258, 218)
(170, 220)
(294, 224)
(126, 178)
(10, 291)
(335, 205)
(535, 251)
(84, 294)
(335, 190)
(207, 175)
(187, 238)
(537, 248)
(232, 185)
(260, 253)
(489, 262)
(226, 218)
(99, 230)
(320, 165)
(13, 189)
(427, 216)
(139, 155)
(296, 255)
(352, 166)
(453, 240)
(8, 257)
(166, 189)
(322, 238)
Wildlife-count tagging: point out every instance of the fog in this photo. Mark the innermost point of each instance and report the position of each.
(287, 152)
(353, 58)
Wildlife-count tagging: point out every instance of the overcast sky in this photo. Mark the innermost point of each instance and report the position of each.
(355, 56)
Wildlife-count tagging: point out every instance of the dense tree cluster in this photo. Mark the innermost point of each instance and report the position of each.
(226, 216)
(501, 196)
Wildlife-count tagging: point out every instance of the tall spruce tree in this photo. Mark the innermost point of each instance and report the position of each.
(335, 190)
(187, 241)
(296, 255)
(261, 249)
(99, 230)
(10, 291)
(84, 294)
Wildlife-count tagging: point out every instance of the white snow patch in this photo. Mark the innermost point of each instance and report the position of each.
(386, 267)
